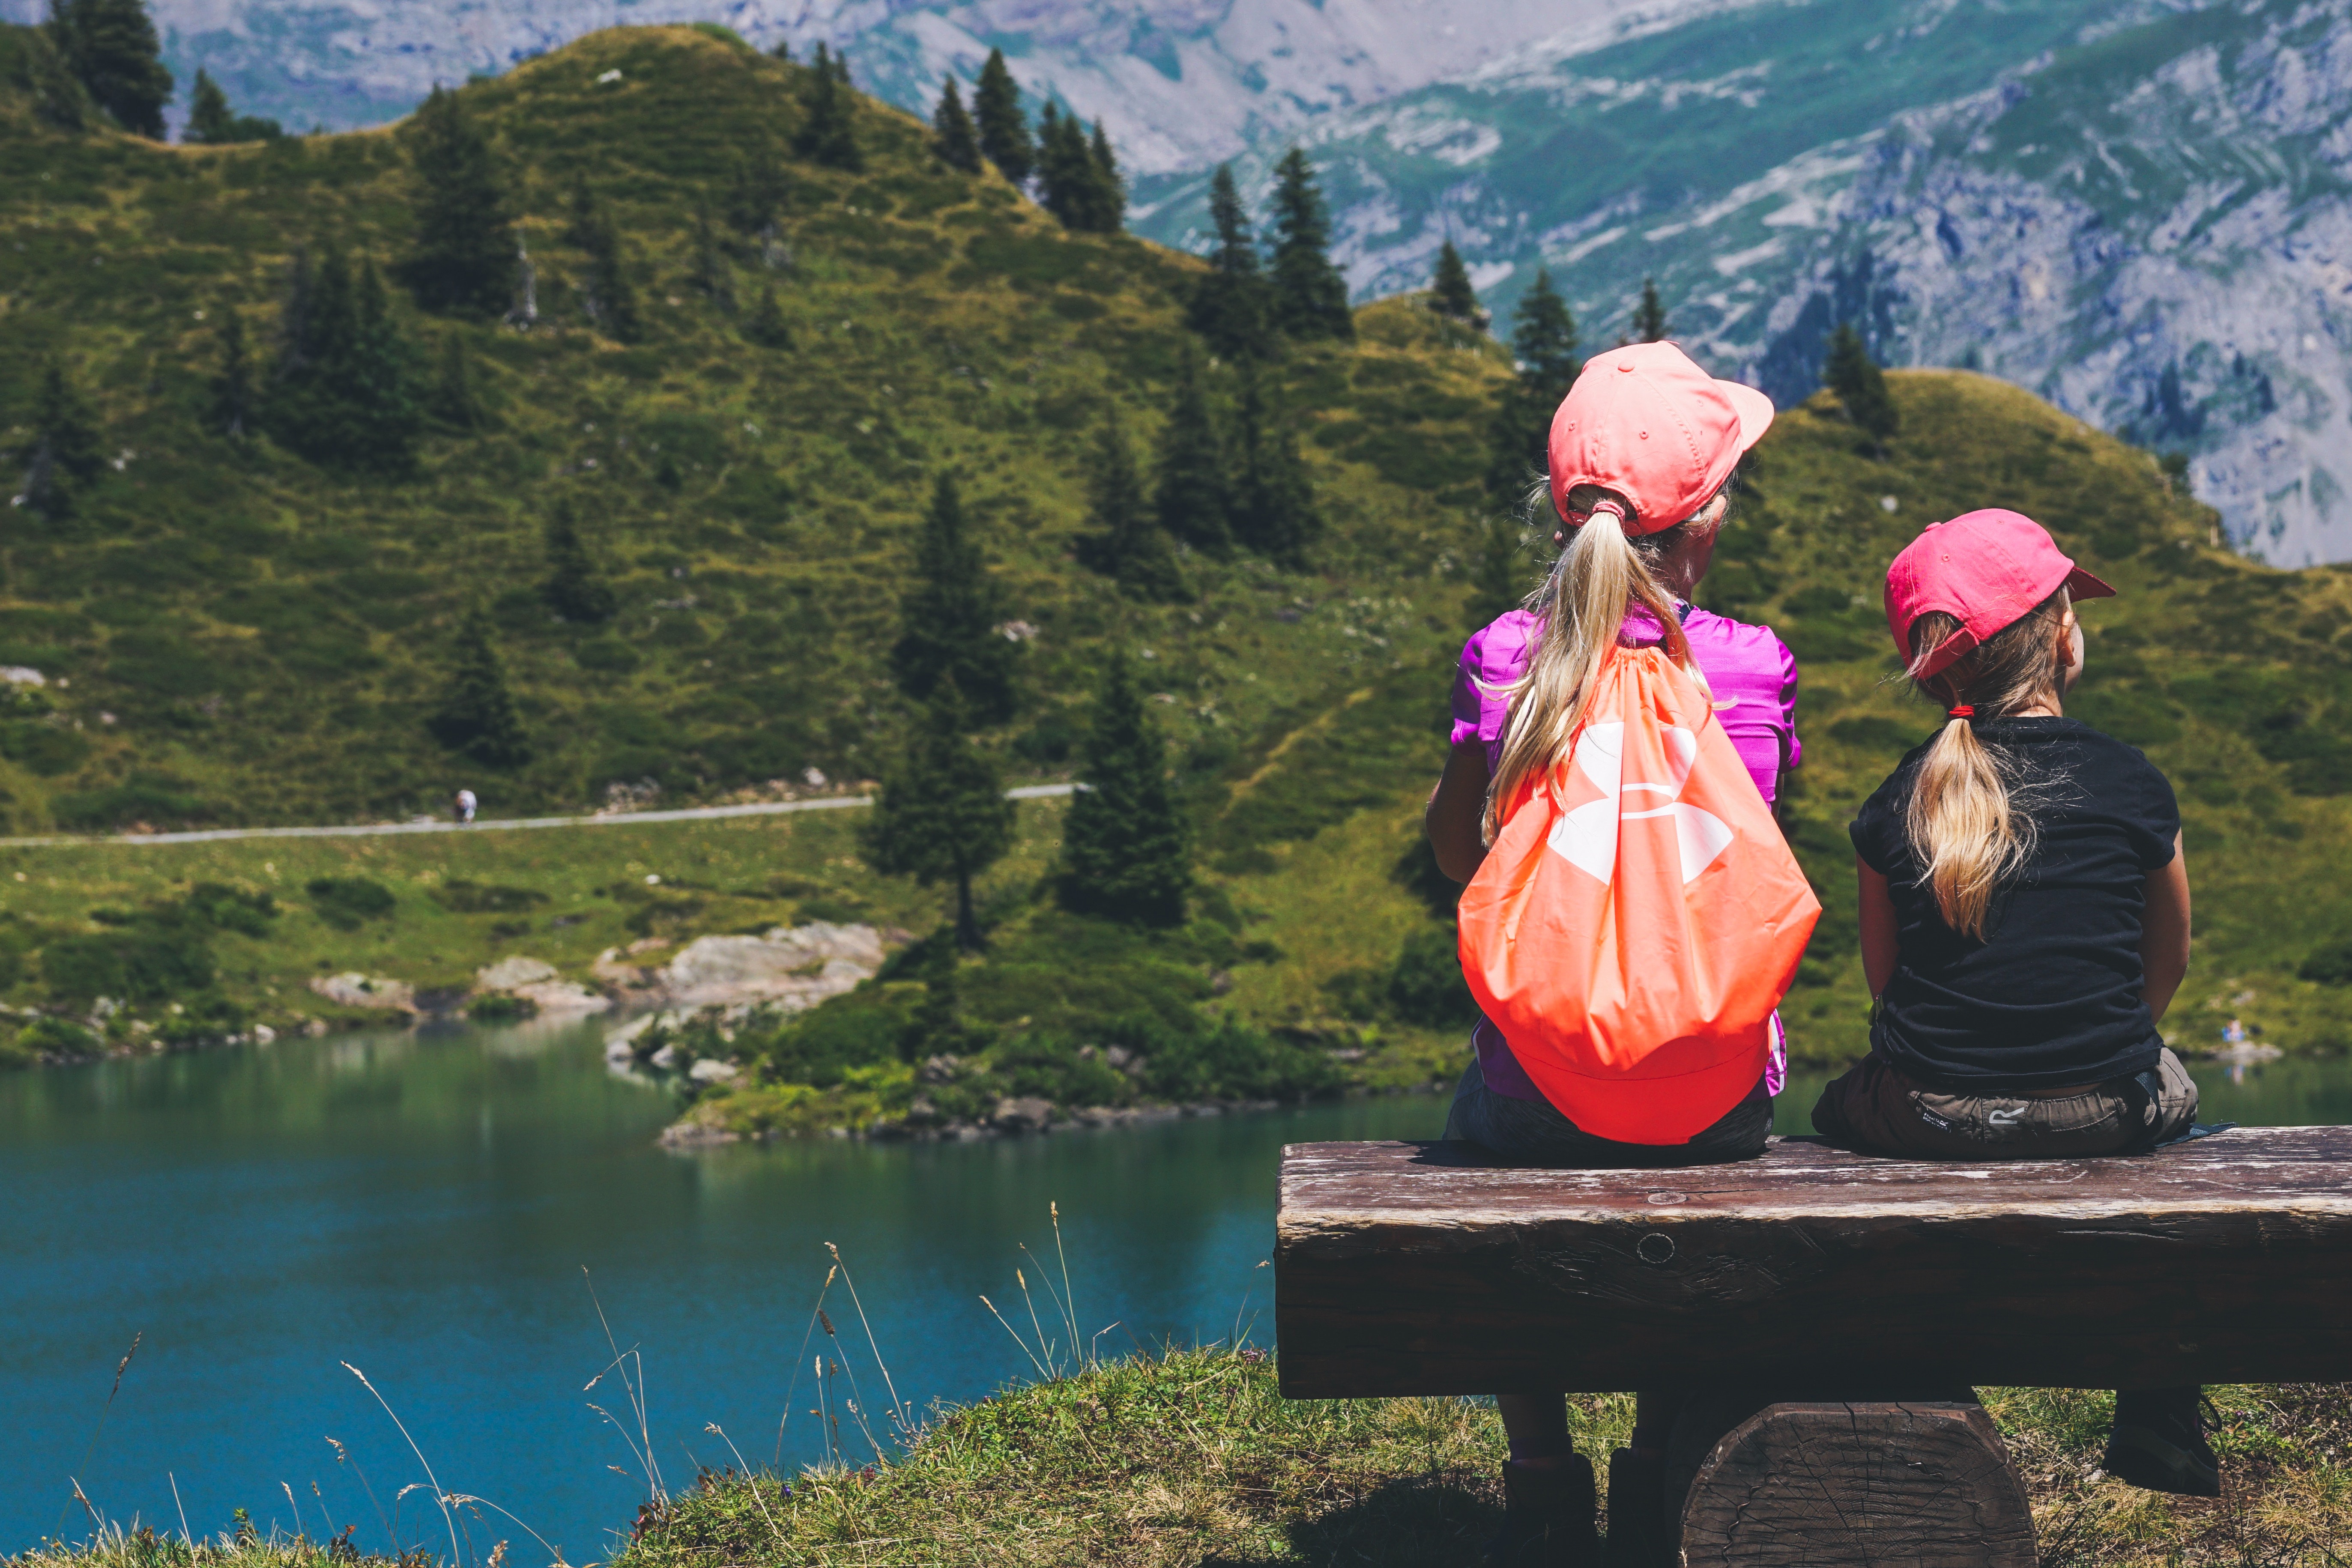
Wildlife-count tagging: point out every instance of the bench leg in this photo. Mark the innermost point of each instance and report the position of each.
(1826, 1484)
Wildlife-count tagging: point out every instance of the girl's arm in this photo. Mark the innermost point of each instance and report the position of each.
(1879, 941)
(1454, 808)
(2164, 932)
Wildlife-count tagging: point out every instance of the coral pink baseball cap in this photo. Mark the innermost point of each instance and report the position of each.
(1985, 569)
(1647, 422)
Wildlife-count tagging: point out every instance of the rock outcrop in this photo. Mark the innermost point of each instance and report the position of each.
(539, 982)
(353, 989)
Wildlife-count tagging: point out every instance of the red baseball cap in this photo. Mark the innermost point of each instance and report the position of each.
(1647, 422)
(1988, 569)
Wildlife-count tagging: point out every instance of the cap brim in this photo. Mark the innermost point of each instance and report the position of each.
(1755, 411)
(2083, 586)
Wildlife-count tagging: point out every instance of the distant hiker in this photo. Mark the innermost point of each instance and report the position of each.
(465, 804)
(1557, 724)
(2024, 913)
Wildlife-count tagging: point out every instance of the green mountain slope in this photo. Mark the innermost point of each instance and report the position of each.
(245, 636)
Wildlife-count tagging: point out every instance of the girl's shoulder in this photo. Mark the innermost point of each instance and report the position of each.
(1748, 640)
(1499, 650)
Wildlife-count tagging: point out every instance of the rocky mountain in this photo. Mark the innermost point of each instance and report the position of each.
(2137, 210)
(1179, 83)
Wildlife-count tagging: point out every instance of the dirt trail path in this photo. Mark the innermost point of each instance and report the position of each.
(489, 824)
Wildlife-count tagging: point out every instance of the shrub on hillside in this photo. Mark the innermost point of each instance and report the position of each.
(344, 902)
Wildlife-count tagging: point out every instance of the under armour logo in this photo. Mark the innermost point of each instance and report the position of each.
(1586, 835)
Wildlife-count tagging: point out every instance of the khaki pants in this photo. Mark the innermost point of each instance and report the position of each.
(1877, 1110)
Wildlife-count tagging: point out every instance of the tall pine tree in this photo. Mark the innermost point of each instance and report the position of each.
(949, 615)
(1111, 186)
(941, 815)
(1003, 132)
(1230, 307)
(767, 327)
(111, 45)
(457, 401)
(954, 140)
(1543, 343)
(1126, 845)
(1450, 293)
(1126, 543)
(64, 454)
(826, 135)
(1650, 315)
(1860, 385)
(212, 124)
(707, 272)
(574, 589)
(231, 400)
(463, 257)
(1070, 183)
(475, 714)
(1274, 498)
(610, 293)
(1310, 297)
(1189, 491)
(345, 393)
(755, 195)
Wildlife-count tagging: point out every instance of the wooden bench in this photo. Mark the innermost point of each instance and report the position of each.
(1829, 1312)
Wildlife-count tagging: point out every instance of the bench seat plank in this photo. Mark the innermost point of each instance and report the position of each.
(1422, 1268)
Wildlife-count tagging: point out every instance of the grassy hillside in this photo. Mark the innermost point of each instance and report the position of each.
(236, 634)
(268, 636)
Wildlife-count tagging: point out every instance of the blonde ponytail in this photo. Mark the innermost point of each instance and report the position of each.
(1598, 579)
(1965, 820)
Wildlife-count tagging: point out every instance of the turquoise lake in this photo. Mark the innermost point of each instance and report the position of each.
(423, 1207)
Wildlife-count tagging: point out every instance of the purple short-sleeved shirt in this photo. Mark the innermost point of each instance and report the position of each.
(1754, 677)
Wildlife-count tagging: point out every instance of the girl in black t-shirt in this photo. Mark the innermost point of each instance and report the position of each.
(2024, 913)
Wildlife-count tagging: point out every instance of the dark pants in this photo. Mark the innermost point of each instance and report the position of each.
(1534, 1133)
(1877, 1110)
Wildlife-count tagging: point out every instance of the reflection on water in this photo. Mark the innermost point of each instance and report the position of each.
(423, 1207)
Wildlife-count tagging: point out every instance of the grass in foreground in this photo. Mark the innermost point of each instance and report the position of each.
(1193, 1458)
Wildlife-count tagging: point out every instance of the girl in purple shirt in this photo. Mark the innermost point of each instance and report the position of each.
(1641, 453)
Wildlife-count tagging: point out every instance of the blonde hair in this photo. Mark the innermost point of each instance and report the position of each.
(1600, 576)
(1966, 820)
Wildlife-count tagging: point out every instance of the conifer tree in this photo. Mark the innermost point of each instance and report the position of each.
(1003, 132)
(1860, 385)
(211, 122)
(457, 403)
(64, 453)
(345, 391)
(1111, 186)
(1189, 491)
(1126, 848)
(1310, 297)
(475, 714)
(841, 67)
(111, 45)
(1650, 315)
(574, 589)
(1450, 291)
(232, 390)
(709, 272)
(1274, 498)
(767, 327)
(1543, 343)
(949, 615)
(826, 135)
(1126, 543)
(756, 194)
(612, 295)
(954, 140)
(1229, 308)
(941, 815)
(463, 257)
(784, 50)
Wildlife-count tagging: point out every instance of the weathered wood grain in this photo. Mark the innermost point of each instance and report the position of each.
(1418, 1269)
(1858, 1484)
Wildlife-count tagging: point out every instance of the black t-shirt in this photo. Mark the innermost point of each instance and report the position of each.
(2053, 996)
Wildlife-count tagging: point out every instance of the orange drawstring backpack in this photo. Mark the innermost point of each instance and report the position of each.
(1639, 916)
